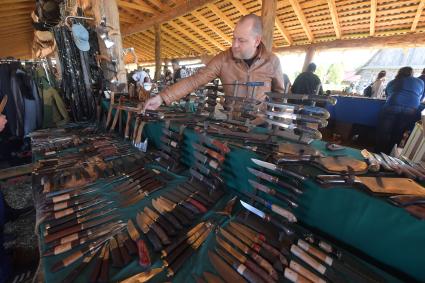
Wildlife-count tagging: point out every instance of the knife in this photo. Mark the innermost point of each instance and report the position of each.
(224, 270)
(267, 218)
(163, 223)
(153, 238)
(288, 215)
(275, 168)
(275, 193)
(274, 180)
(167, 215)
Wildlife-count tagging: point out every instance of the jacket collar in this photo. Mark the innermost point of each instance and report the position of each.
(261, 53)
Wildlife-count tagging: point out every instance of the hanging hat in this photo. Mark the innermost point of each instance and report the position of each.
(81, 37)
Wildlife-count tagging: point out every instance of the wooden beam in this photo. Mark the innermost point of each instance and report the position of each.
(142, 46)
(418, 15)
(283, 31)
(309, 55)
(334, 15)
(172, 13)
(157, 52)
(406, 40)
(201, 33)
(240, 7)
(160, 5)
(190, 36)
(268, 17)
(140, 6)
(300, 15)
(178, 38)
(211, 26)
(373, 6)
(221, 16)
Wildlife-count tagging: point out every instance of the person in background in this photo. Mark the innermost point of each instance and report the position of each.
(3, 122)
(286, 83)
(378, 85)
(179, 72)
(399, 112)
(422, 77)
(246, 60)
(307, 82)
(141, 76)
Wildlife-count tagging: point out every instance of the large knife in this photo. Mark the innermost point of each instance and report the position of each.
(167, 215)
(288, 215)
(225, 271)
(247, 262)
(163, 223)
(274, 180)
(246, 250)
(275, 168)
(150, 234)
(267, 218)
(289, 200)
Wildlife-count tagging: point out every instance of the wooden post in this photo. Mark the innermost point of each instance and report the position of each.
(268, 15)
(309, 55)
(109, 10)
(157, 52)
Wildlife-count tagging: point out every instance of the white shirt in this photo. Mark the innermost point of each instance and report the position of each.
(139, 77)
(378, 88)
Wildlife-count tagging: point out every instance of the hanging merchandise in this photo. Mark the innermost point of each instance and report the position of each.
(77, 48)
(24, 107)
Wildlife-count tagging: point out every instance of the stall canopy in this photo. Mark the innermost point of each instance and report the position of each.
(197, 27)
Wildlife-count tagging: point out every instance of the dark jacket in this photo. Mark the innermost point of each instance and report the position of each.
(307, 83)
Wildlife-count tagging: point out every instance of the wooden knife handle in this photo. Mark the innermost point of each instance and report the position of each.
(173, 220)
(161, 234)
(154, 240)
(248, 274)
(293, 276)
(198, 205)
(130, 246)
(96, 270)
(177, 264)
(259, 271)
(264, 264)
(166, 226)
(124, 253)
(305, 272)
(62, 233)
(104, 270)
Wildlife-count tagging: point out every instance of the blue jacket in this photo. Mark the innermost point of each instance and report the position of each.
(406, 92)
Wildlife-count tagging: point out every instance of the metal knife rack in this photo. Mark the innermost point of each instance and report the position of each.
(170, 151)
(289, 127)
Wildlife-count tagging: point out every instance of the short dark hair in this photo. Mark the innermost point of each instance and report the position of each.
(423, 71)
(311, 67)
(174, 61)
(404, 72)
(381, 74)
(257, 24)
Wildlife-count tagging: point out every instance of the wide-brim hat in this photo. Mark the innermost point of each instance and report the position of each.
(81, 37)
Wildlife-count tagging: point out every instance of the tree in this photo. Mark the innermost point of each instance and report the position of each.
(335, 73)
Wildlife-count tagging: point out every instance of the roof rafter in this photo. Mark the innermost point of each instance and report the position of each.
(189, 35)
(178, 38)
(140, 6)
(418, 15)
(301, 17)
(335, 20)
(211, 26)
(201, 33)
(373, 7)
(221, 15)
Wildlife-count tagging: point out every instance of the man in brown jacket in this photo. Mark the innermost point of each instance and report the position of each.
(246, 61)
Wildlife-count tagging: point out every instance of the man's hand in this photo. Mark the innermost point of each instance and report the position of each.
(3, 122)
(153, 103)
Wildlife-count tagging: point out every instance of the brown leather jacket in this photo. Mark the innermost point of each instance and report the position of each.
(265, 68)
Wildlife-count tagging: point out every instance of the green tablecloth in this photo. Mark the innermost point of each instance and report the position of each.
(387, 234)
(366, 223)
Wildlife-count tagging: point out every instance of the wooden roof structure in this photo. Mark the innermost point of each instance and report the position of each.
(195, 27)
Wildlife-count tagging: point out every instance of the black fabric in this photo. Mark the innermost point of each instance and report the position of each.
(307, 83)
(177, 75)
(250, 61)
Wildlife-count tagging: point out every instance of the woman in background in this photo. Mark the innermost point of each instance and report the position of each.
(378, 85)
(404, 95)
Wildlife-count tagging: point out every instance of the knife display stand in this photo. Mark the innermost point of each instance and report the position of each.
(296, 121)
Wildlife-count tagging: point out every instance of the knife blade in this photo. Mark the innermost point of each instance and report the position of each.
(274, 180)
(275, 168)
(162, 222)
(266, 217)
(288, 215)
(224, 270)
(275, 193)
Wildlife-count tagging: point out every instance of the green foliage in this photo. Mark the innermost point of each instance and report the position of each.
(335, 73)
